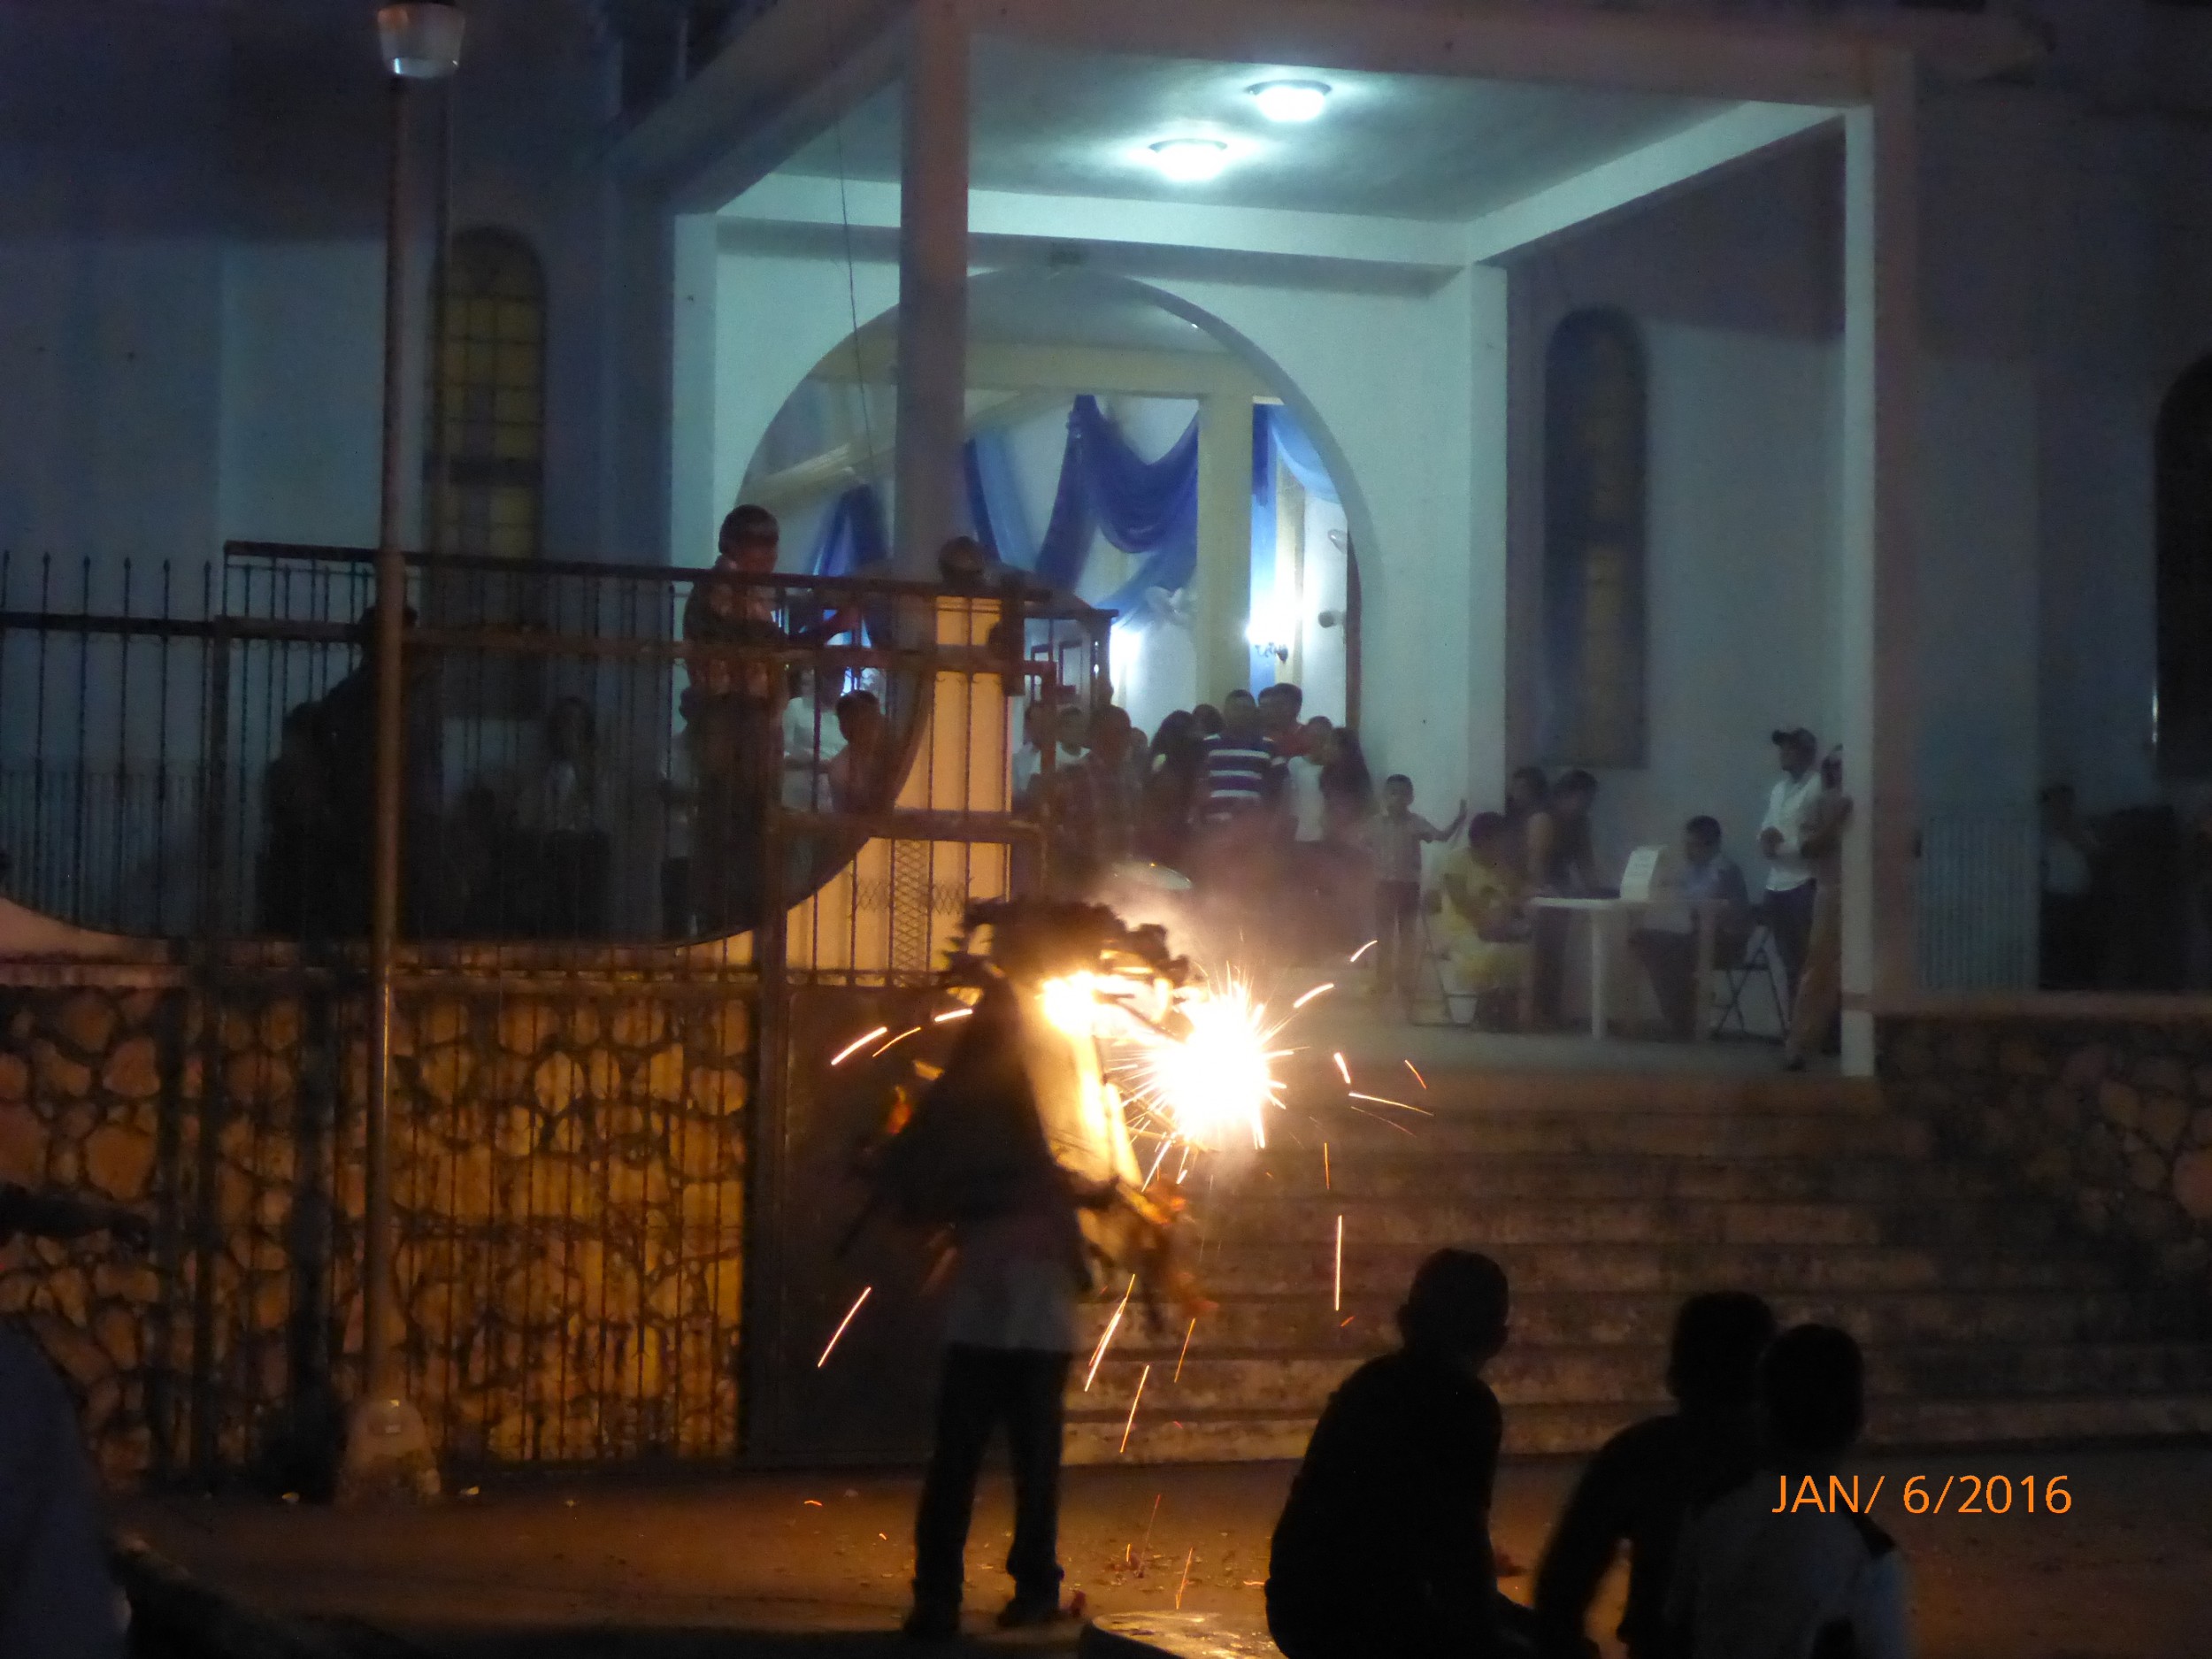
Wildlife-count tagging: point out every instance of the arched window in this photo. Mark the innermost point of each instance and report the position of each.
(1594, 397)
(2184, 577)
(488, 452)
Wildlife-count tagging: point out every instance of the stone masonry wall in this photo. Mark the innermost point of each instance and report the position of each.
(2112, 1117)
(568, 1188)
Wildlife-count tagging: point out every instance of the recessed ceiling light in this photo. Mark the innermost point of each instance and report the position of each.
(1190, 160)
(1291, 100)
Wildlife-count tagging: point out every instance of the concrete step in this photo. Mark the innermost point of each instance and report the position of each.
(1310, 1078)
(1095, 1437)
(1307, 1322)
(1382, 1270)
(1413, 1222)
(1290, 1383)
(1704, 1134)
(1395, 1172)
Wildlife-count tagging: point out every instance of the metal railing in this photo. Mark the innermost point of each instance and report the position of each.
(632, 842)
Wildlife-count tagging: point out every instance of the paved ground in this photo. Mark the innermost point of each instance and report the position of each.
(816, 1564)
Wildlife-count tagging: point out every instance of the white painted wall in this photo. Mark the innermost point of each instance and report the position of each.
(302, 392)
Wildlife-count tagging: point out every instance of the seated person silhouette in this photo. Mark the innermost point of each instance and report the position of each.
(1384, 1547)
(1778, 1565)
(1644, 1480)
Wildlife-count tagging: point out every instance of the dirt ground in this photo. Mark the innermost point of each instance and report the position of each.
(784, 1563)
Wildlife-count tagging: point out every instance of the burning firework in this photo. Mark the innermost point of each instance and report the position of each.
(1206, 1074)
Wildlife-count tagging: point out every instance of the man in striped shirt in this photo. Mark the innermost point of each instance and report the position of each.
(1242, 775)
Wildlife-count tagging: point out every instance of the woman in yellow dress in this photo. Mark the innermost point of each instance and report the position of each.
(1482, 919)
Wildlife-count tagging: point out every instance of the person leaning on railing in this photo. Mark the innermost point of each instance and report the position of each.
(733, 715)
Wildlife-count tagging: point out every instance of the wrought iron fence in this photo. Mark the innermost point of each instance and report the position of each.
(636, 824)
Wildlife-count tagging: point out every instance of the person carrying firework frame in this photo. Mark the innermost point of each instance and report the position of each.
(1017, 1156)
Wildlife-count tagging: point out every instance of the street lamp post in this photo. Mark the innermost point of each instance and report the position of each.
(386, 1445)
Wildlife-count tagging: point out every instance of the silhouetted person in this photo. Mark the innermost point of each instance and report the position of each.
(1643, 1481)
(1384, 1547)
(56, 1601)
(1018, 1271)
(1767, 1570)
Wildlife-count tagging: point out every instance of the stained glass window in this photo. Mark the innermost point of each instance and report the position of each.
(1594, 444)
(487, 475)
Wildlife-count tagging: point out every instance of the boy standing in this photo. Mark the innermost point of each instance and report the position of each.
(1394, 838)
(1384, 1547)
(1758, 1573)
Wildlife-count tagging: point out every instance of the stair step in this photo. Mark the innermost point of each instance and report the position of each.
(1388, 1174)
(1383, 1270)
(1533, 1221)
(1645, 1319)
(1261, 1436)
(1291, 1383)
(1310, 1078)
(1736, 1135)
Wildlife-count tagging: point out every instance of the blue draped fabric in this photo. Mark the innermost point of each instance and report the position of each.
(851, 537)
(1295, 451)
(994, 501)
(1148, 509)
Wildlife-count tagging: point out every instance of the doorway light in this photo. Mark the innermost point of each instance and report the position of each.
(1190, 160)
(1291, 100)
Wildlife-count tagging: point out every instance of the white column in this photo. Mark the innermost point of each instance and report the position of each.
(932, 287)
(1880, 672)
(1488, 654)
(1224, 544)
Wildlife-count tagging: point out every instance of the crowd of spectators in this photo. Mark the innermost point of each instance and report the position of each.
(1278, 824)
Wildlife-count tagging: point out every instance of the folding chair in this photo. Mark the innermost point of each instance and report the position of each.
(1760, 961)
(1429, 976)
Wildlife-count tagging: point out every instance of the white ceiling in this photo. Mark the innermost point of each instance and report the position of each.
(1440, 148)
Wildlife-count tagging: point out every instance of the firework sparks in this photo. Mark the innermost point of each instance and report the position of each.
(947, 1019)
(1179, 1588)
(1342, 1069)
(1401, 1105)
(859, 1044)
(1133, 1400)
(1416, 1069)
(894, 1042)
(1185, 1354)
(1104, 1341)
(1214, 1081)
(1336, 1303)
(1363, 949)
(865, 1293)
(1318, 990)
(1327, 1185)
(1144, 1553)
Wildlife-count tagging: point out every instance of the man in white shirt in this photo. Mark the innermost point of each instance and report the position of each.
(1790, 811)
(1783, 1566)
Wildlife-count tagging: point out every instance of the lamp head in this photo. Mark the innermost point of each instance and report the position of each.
(421, 41)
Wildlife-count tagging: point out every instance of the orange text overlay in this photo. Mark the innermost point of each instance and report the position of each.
(1925, 1494)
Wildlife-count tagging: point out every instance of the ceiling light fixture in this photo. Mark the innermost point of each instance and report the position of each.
(1291, 100)
(1190, 160)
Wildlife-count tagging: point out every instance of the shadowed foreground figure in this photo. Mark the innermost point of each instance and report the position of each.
(1775, 1569)
(1383, 1551)
(56, 1601)
(1643, 1481)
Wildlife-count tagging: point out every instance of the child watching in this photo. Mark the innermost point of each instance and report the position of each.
(1394, 839)
(1758, 1575)
(1384, 1547)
